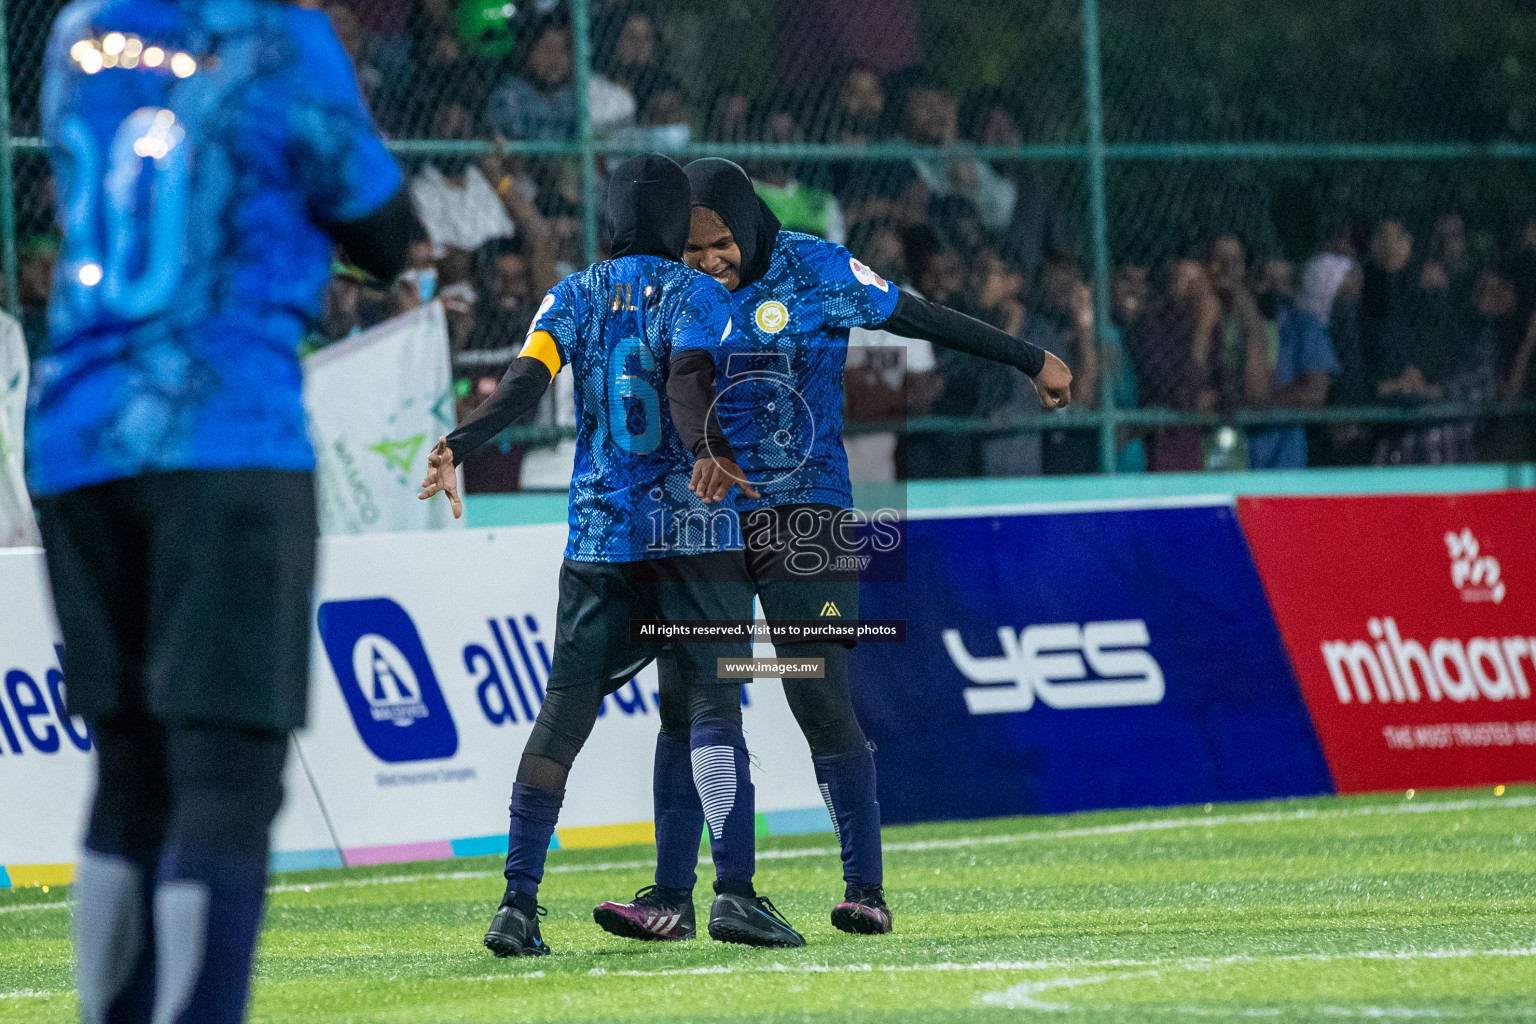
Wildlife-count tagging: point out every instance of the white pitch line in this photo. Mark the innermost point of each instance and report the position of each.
(1024, 996)
(1211, 821)
(1145, 968)
(958, 843)
(1190, 963)
(19, 907)
(29, 993)
(454, 876)
(354, 883)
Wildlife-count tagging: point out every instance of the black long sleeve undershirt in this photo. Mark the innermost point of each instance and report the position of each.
(520, 389)
(691, 394)
(380, 241)
(918, 318)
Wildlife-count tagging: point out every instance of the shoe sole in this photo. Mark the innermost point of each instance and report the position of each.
(504, 947)
(615, 923)
(727, 932)
(857, 924)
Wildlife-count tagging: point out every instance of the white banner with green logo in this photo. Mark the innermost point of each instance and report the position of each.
(17, 527)
(377, 403)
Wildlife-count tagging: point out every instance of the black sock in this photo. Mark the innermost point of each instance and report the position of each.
(736, 887)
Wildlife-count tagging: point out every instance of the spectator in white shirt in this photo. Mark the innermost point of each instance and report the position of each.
(933, 120)
(1325, 273)
(457, 205)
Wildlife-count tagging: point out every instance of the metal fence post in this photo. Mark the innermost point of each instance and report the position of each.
(7, 177)
(1099, 226)
(581, 36)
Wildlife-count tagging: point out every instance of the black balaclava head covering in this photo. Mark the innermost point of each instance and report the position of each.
(724, 187)
(647, 208)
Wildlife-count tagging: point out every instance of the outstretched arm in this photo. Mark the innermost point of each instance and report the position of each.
(918, 318)
(691, 394)
(519, 391)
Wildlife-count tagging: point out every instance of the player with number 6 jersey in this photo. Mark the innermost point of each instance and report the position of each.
(794, 298)
(644, 541)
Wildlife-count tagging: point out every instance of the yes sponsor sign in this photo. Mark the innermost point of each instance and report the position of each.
(1411, 622)
(1048, 661)
(1057, 661)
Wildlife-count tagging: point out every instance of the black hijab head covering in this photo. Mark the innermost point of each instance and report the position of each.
(647, 208)
(724, 187)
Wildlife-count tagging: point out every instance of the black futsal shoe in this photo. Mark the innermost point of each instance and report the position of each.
(751, 921)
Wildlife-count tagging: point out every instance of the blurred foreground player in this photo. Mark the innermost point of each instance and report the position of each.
(794, 298)
(207, 155)
(622, 325)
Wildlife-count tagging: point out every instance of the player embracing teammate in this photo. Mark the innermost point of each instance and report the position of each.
(793, 299)
(641, 333)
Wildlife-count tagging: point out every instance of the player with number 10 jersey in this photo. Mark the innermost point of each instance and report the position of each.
(206, 156)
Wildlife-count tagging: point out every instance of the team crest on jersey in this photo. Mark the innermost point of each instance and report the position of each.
(772, 317)
(867, 276)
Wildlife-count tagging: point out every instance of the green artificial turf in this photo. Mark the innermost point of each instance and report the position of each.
(1292, 910)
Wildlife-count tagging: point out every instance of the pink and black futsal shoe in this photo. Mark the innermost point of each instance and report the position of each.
(650, 916)
(862, 912)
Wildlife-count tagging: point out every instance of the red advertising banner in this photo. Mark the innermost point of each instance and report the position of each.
(1411, 623)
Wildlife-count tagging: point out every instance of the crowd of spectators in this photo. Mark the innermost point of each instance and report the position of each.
(1377, 317)
(1374, 319)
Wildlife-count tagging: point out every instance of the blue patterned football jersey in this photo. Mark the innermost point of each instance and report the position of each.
(781, 393)
(618, 324)
(197, 148)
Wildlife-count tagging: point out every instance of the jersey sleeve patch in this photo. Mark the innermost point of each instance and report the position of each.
(557, 319)
(866, 276)
(852, 295)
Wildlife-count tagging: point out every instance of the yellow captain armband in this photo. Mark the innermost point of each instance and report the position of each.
(541, 346)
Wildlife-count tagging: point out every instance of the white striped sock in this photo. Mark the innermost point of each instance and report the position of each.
(826, 794)
(714, 774)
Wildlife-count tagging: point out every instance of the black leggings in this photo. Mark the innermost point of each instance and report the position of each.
(569, 713)
(822, 708)
(205, 789)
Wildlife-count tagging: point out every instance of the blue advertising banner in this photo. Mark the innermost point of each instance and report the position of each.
(1071, 660)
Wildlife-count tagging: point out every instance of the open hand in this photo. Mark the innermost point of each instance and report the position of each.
(442, 477)
(1054, 383)
(713, 477)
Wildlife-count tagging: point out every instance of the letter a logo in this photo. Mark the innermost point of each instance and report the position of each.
(830, 609)
(399, 454)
